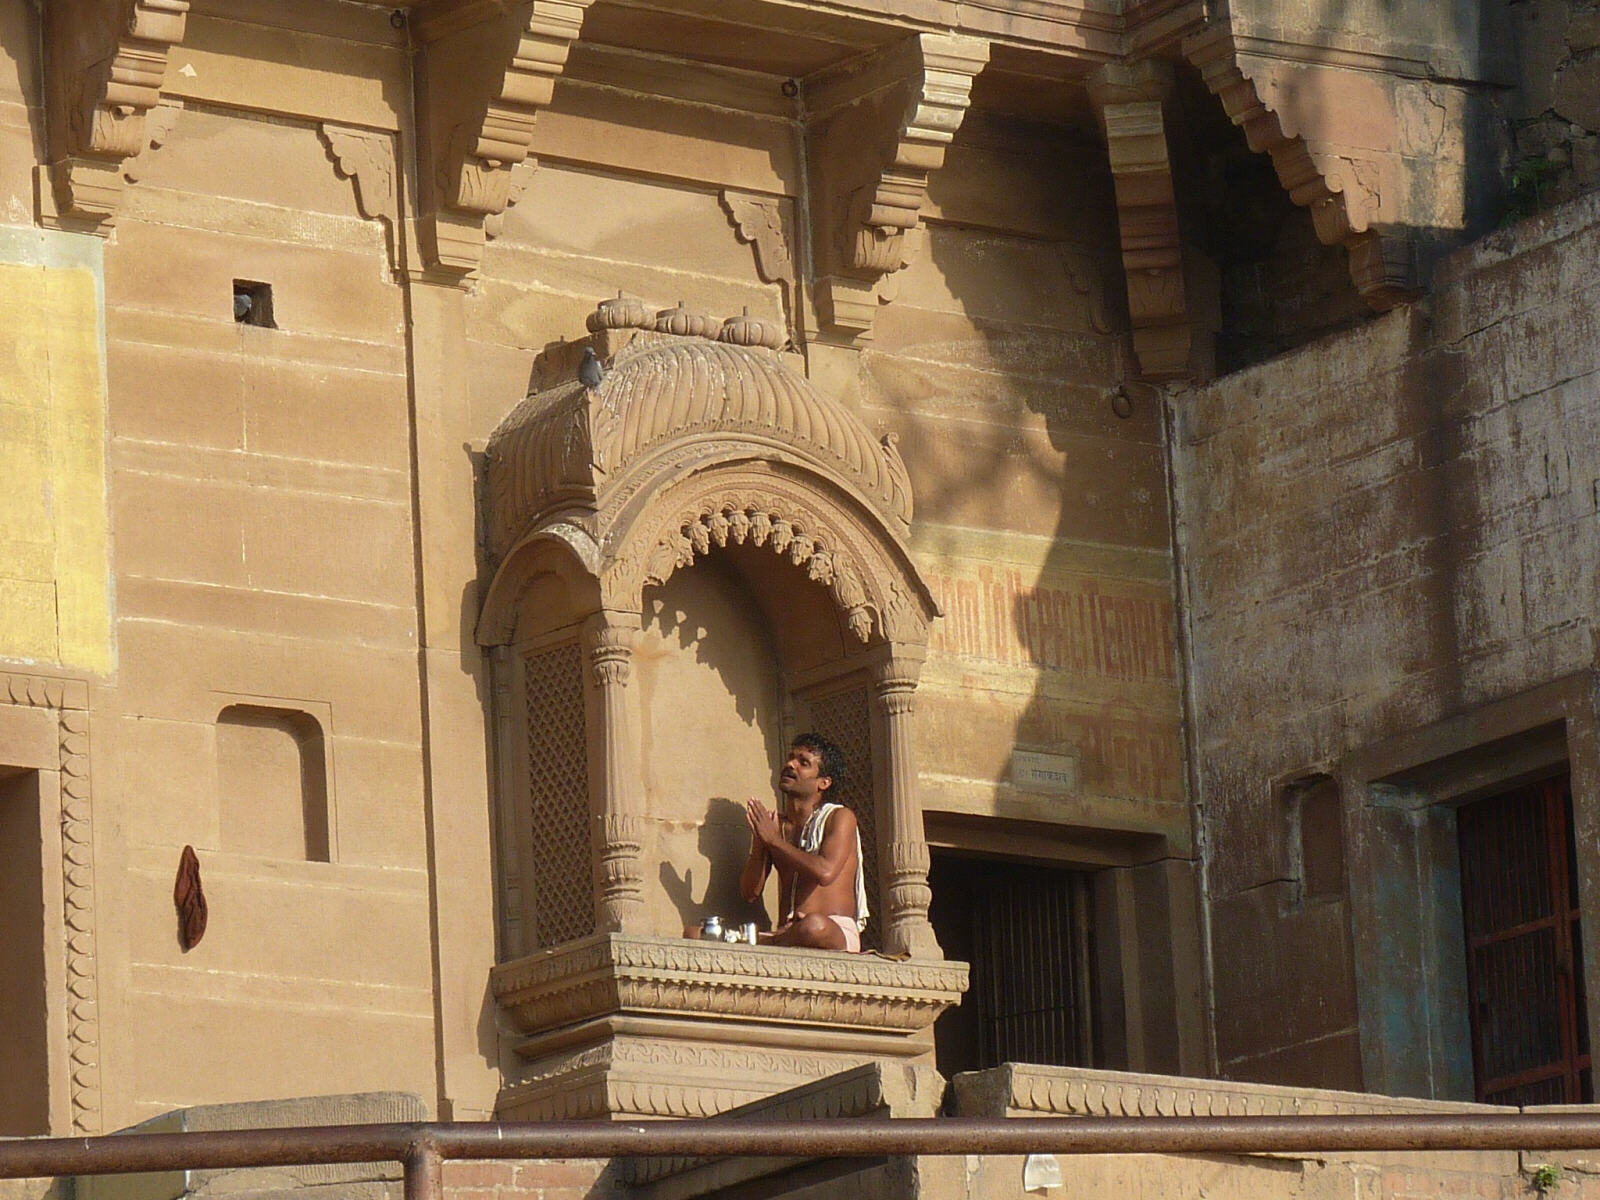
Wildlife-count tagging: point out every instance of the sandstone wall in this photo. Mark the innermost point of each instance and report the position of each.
(1389, 533)
(241, 583)
(254, 690)
(1039, 511)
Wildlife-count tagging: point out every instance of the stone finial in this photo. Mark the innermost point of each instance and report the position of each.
(623, 312)
(745, 330)
(682, 321)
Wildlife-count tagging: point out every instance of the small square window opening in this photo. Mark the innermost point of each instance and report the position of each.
(252, 303)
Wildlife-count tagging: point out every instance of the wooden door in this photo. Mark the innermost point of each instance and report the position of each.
(1519, 899)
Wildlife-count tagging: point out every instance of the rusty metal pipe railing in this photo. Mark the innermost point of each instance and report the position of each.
(422, 1148)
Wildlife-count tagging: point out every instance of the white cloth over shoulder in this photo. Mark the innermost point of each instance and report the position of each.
(811, 842)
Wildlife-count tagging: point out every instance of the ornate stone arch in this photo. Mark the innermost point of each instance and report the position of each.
(700, 435)
(875, 587)
(561, 549)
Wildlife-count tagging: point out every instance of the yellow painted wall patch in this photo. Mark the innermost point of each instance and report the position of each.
(54, 532)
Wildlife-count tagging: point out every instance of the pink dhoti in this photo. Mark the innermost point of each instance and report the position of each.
(851, 931)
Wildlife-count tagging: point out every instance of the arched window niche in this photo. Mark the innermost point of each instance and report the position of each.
(689, 563)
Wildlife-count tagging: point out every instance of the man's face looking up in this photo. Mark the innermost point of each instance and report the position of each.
(802, 776)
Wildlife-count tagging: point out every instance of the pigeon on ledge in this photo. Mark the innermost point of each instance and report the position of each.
(590, 372)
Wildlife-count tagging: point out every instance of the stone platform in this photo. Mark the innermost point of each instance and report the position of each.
(624, 1026)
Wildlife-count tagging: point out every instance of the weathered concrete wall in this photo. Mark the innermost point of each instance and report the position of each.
(1390, 528)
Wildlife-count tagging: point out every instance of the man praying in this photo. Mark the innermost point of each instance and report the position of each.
(815, 845)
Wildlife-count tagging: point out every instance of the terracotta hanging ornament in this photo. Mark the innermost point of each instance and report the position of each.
(745, 330)
(190, 899)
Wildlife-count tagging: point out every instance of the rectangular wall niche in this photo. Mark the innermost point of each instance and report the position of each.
(252, 304)
(272, 778)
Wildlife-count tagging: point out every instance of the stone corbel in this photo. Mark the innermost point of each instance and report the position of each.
(758, 221)
(366, 158)
(1130, 101)
(1346, 207)
(484, 70)
(105, 65)
(882, 131)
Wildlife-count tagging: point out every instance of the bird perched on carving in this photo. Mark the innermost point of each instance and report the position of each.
(590, 372)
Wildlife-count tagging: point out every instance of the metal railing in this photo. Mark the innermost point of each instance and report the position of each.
(422, 1148)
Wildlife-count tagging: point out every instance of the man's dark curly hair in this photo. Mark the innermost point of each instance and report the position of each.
(832, 757)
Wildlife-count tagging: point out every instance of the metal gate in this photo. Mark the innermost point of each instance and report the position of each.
(1519, 901)
(1026, 930)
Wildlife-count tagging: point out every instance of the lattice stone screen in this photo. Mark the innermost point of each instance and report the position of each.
(845, 719)
(558, 796)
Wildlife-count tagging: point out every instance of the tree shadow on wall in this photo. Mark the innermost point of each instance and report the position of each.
(675, 616)
(1047, 457)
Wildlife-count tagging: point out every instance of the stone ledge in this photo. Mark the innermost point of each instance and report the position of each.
(347, 1181)
(612, 974)
(1565, 220)
(1020, 1090)
(1023, 1090)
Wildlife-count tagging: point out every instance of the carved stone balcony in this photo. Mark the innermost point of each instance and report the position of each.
(627, 1027)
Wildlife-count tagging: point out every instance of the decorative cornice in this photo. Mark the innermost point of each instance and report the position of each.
(891, 123)
(754, 520)
(660, 1078)
(43, 691)
(867, 571)
(105, 63)
(1344, 207)
(613, 974)
(495, 69)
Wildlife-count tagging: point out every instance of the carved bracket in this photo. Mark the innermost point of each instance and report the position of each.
(366, 158)
(1346, 206)
(882, 132)
(1130, 101)
(105, 63)
(484, 72)
(758, 221)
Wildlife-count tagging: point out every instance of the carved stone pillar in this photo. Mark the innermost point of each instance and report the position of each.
(903, 857)
(619, 908)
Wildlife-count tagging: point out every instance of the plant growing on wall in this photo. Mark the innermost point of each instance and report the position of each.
(1527, 188)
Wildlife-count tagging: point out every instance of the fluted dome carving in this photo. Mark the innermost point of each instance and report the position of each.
(568, 445)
